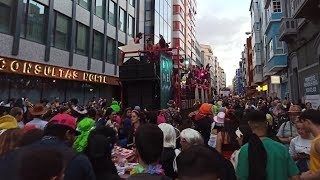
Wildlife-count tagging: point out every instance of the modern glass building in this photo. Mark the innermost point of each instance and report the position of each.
(158, 19)
(65, 48)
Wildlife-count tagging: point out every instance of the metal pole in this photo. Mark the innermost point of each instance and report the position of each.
(179, 79)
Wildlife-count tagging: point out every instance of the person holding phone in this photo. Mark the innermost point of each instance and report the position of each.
(300, 146)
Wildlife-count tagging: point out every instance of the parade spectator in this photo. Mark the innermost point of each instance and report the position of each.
(161, 117)
(37, 113)
(203, 121)
(17, 113)
(308, 106)
(111, 122)
(149, 144)
(8, 122)
(92, 114)
(226, 139)
(84, 127)
(31, 136)
(300, 146)
(216, 127)
(287, 130)
(9, 140)
(311, 122)
(198, 162)
(60, 133)
(100, 144)
(79, 112)
(169, 150)
(41, 163)
(263, 158)
(103, 120)
(190, 137)
(137, 119)
(172, 115)
(125, 126)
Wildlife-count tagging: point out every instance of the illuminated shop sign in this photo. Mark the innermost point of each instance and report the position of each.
(9, 65)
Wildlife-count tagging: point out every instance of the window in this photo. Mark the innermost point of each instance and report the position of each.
(280, 48)
(156, 24)
(112, 13)
(35, 25)
(61, 31)
(7, 15)
(270, 46)
(85, 4)
(122, 20)
(97, 45)
(100, 8)
(111, 49)
(132, 2)
(276, 5)
(176, 9)
(157, 5)
(131, 26)
(82, 39)
(176, 42)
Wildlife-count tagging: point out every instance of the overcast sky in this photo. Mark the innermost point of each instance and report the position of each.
(222, 24)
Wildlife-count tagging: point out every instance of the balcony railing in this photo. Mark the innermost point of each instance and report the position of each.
(305, 9)
(288, 28)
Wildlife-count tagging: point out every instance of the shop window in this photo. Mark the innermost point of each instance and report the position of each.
(100, 8)
(97, 45)
(111, 48)
(131, 24)
(82, 39)
(85, 4)
(34, 27)
(7, 15)
(122, 20)
(61, 31)
(112, 13)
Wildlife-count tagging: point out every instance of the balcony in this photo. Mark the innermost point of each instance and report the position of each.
(288, 29)
(277, 63)
(308, 9)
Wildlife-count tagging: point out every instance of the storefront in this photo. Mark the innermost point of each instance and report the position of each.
(37, 81)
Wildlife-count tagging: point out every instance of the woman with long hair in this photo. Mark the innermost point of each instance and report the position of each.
(227, 139)
(125, 126)
(137, 119)
(9, 140)
(100, 144)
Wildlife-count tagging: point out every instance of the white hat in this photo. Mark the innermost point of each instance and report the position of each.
(220, 117)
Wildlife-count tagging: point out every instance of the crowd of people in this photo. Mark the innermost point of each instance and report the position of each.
(228, 139)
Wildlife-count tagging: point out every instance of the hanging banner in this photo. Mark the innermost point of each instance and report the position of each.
(166, 71)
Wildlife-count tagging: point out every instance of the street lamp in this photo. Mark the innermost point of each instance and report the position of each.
(249, 33)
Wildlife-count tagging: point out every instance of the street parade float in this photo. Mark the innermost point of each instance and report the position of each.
(152, 74)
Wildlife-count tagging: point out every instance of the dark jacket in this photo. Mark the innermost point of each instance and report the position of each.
(145, 176)
(203, 126)
(78, 166)
(226, 171)
(166, 160)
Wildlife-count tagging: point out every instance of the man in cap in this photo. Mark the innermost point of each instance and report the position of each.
(59, 134)
(287, 130)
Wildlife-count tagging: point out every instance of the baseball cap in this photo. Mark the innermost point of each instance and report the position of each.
(66, 120)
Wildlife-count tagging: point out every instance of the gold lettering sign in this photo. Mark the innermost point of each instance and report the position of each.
(9, 65)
